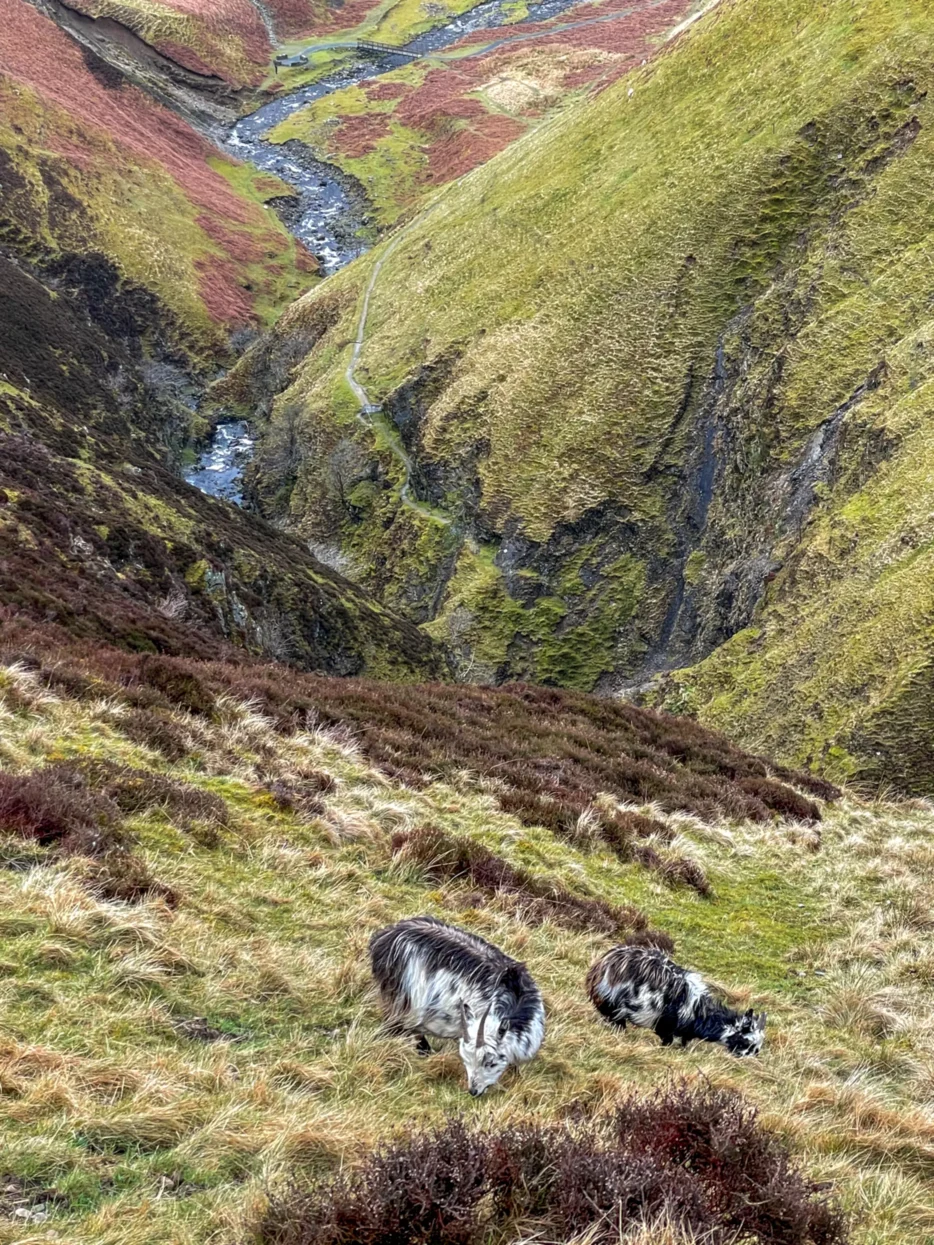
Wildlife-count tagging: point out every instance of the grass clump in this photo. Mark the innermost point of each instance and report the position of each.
(57, 809)
(697, 1158)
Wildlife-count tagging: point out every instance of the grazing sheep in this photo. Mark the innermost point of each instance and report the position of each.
(644, 987)
(436, 980)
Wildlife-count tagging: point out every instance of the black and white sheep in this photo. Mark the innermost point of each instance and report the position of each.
(644, 987)
(436, 980)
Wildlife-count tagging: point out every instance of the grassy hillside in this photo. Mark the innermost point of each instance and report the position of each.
(431, 121)
(232, 40)
(664, 364)
(187, 1023)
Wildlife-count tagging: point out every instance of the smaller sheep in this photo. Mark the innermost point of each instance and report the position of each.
(642, 986)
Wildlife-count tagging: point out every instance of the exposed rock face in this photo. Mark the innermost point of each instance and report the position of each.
(114, 53)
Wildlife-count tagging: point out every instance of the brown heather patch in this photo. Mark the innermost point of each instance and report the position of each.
(562, 760)
(157, 731)
(302, 793)
(56, 808)
(694, 1158)
(142, 790)
(358, 135)
(532, 899)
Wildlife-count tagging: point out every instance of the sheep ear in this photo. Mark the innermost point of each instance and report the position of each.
(503, 1028)
(465, 1015)
(749, 1021)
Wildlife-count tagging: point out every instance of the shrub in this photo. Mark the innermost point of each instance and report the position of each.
(157, 731)
(139, 790)
(55, 808)
(698, 1157)
(177, 683)
(534, 899)
(302, 794)
(553, 754)
(781, 799)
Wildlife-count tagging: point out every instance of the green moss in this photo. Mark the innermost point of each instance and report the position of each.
(196, 575)
(577, 655)
(694, 567)
(572, 638)
(479, 619)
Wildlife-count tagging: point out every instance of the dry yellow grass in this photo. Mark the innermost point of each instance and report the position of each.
(160, 1068)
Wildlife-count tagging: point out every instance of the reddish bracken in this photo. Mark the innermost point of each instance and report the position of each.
(437, 108)
(386, 90)
(90, 122)
(359, 135)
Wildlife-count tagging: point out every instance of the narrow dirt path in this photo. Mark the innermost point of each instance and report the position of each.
(368, 408)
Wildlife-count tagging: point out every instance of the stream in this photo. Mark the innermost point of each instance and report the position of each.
(329, 214)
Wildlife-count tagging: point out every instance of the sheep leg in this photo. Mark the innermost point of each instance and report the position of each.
(422, 1045)
(666, 1026)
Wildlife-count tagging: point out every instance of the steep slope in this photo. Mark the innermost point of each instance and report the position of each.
(225, 38)
(91, 163)
(130, 253)
(231, 41)
(664, 365)
(187, 1022)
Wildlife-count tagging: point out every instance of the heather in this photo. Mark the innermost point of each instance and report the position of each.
(100, 536)
(696, 1159)
(190, 1045)
(533, 900)
(594, 772)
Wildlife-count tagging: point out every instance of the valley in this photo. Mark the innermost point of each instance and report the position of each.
(575, 373)
(468, 462)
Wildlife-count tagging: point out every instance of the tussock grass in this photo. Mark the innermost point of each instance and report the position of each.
(163, 1069)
